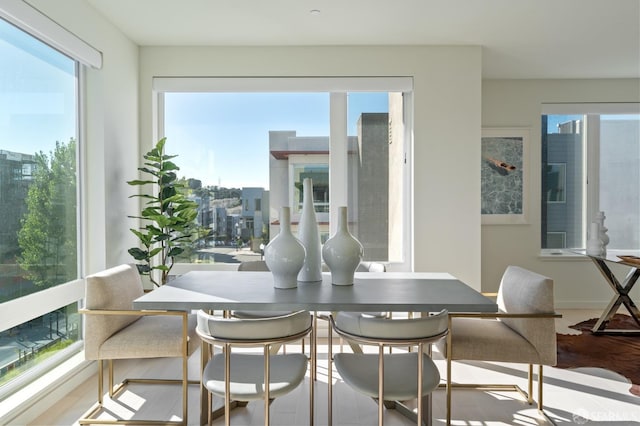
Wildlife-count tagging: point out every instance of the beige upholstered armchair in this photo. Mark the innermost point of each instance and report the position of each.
(113, 330)
(523, 331)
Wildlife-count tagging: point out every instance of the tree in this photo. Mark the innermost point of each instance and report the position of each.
(169, 217)
(47, 238)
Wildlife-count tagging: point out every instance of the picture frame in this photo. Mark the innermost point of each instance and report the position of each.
(504, 176)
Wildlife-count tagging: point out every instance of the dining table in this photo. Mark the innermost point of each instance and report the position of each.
(416, 292)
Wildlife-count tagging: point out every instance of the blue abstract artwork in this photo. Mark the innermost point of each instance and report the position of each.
(502, 175)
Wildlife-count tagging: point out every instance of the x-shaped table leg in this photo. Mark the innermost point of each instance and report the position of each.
(621, 298)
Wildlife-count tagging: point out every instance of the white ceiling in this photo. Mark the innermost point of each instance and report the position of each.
(520, 38)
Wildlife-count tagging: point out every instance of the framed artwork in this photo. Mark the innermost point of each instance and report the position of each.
(503, 176)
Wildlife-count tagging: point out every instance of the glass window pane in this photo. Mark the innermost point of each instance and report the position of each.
(556, 182)
(37, 165)
(249, 153)
(615, 141)
(556, 240)
(620, 179)
(376, 173)
(38, 197)
(246, 150)
(562, 143)
(319, 175)
(24, 346)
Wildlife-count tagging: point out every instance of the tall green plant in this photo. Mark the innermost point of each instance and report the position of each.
(168, 214)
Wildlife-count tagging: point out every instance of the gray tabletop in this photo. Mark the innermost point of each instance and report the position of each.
(372, 291)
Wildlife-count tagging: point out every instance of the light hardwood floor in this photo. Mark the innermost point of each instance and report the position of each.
(580, 396)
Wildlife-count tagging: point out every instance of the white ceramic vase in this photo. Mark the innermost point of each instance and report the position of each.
(309, 236)
(284, 254)
(342, 252)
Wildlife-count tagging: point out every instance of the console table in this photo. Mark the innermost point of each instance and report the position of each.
(621, 289)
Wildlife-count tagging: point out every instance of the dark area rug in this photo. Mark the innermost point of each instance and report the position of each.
(612, 352)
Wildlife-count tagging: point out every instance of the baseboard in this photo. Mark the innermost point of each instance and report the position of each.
(30, 402)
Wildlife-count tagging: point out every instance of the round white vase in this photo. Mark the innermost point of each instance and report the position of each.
(342, 252)
(309, 236)
(284, 254)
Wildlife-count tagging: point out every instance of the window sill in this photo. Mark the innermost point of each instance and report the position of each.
(31, 401)
(561, 255)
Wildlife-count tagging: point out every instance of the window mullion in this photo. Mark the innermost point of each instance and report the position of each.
(338, 153)
(592, 140)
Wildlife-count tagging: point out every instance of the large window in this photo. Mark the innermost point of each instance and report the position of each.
(38, 201)
(251, 142)
(590, 163)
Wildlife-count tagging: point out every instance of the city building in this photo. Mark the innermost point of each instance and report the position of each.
(294, 158)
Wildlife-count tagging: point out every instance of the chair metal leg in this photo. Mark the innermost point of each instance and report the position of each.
(227, 384)
(449, 355)
(530, 385)
(267, 378)
(209, 409)
(100, 380)
(185, 389)
(380, 385)
(540, 381)
(314, 346)
(111, 390)
(420, 379)
(88, 417)
(313, 349)
(498, 387)
(330, 376)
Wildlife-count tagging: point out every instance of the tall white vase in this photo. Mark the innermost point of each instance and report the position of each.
(309, 236)
(284, 254)
(342, 252)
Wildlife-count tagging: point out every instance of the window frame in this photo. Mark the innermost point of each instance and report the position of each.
(338, 88)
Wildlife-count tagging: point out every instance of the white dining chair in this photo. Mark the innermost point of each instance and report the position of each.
(397, 376)
(259, 266)
(250, 376)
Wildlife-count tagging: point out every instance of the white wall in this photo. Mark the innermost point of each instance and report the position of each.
(447, 84)
(111, 149)
(451, 104)
(517, 103)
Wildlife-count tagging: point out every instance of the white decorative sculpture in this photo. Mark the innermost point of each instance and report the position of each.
(600, 217)
(594, 243)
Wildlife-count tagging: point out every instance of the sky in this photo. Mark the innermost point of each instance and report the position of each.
(220, 138)
(37, 94)
(223, 138)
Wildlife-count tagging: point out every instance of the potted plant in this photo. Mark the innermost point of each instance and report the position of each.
(167, 216)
